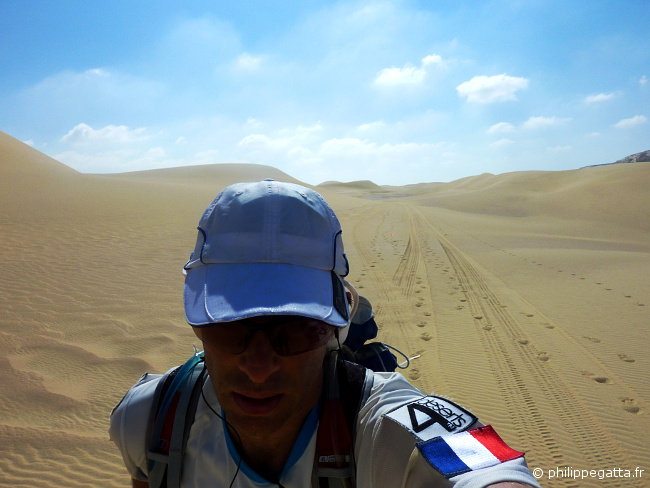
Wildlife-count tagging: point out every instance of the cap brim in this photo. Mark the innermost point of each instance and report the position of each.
(226, 292)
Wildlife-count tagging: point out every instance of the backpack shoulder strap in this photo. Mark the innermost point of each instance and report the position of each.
(346, 389)
(171, 417)
(355, 383)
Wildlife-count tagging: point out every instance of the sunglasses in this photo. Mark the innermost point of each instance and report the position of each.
(287, 335)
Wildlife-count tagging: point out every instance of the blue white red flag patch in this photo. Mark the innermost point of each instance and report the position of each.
(462, 452)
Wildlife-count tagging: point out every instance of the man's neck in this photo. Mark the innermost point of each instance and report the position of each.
(268, 456)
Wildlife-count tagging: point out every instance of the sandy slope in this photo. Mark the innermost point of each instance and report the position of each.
(525, 295)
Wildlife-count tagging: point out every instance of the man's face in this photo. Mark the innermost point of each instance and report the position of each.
(263, 393)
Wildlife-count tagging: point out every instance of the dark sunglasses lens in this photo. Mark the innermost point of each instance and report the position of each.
(231, 338)
(288, 338)
(300, 336)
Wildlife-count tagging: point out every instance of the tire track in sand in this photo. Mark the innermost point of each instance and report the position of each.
(374, 235)
(512, 364)
(406, 271)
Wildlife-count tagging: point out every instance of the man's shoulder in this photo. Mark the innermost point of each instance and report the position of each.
(140, 394)
(422, 416)
(129, 422)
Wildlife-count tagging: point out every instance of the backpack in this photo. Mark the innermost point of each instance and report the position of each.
(376, 356)
(177, 395)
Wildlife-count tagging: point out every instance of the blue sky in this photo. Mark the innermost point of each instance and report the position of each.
(395, 91)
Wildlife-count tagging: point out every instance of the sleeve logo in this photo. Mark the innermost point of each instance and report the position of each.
(432, 416)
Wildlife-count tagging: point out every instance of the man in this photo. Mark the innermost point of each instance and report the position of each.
(265, 294)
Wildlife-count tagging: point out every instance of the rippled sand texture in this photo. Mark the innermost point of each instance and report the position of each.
(525, 297)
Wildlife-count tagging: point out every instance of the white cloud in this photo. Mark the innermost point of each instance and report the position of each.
(29, 142)
(409, 74)
(631, 122)
(92, 95)
(491, 89)
(111, 134)
(371, 126)
(600, 97)
(500, 127)
(247, 62)
(433, 60)
(316, 154)
(501, 143)
(543, 122)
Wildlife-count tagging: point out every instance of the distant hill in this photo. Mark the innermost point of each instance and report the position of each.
(224, 173)
(18, 159)
(642, 157)
(359, 185)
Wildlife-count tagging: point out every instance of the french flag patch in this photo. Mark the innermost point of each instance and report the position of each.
(462, 452)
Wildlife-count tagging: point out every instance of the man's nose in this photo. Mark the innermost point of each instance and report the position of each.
(259, 360)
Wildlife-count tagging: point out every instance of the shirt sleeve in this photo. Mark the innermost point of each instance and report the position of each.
(396, 417)
(129, 422)
(419, 473)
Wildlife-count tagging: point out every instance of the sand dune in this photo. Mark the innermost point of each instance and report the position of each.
(525, 295)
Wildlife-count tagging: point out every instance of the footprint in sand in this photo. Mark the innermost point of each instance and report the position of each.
(596, 378)
(422, 324)
(592, 339)
(543, 356)
(626, 358)
(478, 317)
(629, 405)
(523, 341)
(414, 374)
(425, 336)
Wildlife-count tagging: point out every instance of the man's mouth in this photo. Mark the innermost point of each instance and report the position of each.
(256, 405)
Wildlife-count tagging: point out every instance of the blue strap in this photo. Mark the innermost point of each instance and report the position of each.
(158, 462)
(180, 430)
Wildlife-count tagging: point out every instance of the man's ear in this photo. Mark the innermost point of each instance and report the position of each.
(198, 332)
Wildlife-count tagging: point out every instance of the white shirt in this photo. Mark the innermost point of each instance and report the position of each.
(385, 452)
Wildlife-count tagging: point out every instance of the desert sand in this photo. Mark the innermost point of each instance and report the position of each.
(524, 296)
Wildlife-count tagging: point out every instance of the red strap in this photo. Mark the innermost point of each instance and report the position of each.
(334, 442)
(166, 433)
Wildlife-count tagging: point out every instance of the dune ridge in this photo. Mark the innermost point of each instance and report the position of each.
(523, 296)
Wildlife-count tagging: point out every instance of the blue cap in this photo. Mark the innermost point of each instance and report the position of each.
(267, 248)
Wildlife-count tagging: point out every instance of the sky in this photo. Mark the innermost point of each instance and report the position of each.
(393, 91)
